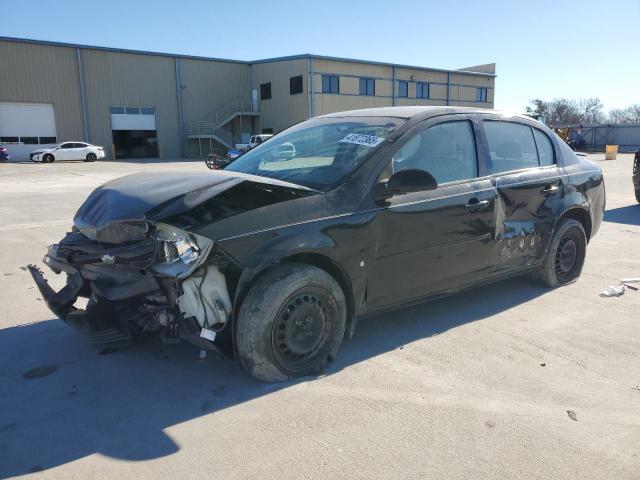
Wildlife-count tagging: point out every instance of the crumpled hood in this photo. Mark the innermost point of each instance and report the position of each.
(153, 196)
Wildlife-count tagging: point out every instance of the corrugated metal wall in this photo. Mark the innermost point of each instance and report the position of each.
(462, 91)
(116, 78)
(283, 109)
(210, 85)
(596, 137)
(43, 74)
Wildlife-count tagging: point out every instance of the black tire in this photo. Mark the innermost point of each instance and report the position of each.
(565, 256)
(91, 157)
(638, 195)
(291, 323)
(48, 158)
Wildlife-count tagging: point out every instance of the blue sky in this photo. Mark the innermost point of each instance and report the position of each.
(542, 48)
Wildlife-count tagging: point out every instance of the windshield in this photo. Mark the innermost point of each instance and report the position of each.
(318, 153)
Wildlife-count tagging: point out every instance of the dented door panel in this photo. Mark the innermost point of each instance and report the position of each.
(528, 204)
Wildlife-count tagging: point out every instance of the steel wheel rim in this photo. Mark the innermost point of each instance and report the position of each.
(303, 329)
(567, 254)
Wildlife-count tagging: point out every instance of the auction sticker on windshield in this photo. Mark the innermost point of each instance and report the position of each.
(366, 140)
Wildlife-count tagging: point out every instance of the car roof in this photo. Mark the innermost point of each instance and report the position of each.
(415, 112)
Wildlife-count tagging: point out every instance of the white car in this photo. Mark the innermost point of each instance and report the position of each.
(254, 141)
(68, 151)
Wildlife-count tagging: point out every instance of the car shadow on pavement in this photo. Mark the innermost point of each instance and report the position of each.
(62, 400)
(629, 215)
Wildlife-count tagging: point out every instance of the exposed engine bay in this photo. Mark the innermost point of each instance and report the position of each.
(165, 280)
(133, 256)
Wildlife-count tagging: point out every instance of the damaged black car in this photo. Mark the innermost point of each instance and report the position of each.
(275, 257)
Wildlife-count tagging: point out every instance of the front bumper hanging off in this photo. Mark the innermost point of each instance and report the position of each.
(102, 323)
(132, 290)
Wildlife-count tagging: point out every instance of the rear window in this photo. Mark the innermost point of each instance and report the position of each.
(545, 148)
(511, 145)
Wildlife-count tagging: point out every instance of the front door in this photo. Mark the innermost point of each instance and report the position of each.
(433, 242)
(65, 152)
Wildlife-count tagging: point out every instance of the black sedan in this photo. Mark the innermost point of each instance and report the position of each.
(275, 257)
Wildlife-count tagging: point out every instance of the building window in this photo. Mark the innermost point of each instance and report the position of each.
(265, 91)
(403, 88)
(267, 130)
(45, 140)
(330, 84)
(9, 140)
(295, 85)
(481, 94)
(132, 110)
(422, 90)
(367, 86)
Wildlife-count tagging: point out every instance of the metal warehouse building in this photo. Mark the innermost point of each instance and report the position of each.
(145, 104)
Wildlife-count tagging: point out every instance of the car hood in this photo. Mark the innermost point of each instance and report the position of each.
(43, 150)
(154, 196)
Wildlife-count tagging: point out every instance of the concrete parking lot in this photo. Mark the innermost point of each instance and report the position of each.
(473, 386)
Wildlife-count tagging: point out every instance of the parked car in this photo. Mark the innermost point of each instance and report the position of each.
(636, 174)
(254, 141)
(275, 261)
(4, 154)
(68, 151)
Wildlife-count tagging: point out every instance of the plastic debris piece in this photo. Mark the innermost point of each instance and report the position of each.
(635, 289)
(613, 291)
(630, 280)
(572, 415)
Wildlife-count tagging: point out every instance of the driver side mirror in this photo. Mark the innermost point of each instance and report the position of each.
(405, 181)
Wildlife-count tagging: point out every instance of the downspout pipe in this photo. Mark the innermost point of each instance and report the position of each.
(179, 105)
(83, 98)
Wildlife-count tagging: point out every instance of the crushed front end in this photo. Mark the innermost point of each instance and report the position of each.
(138, 278)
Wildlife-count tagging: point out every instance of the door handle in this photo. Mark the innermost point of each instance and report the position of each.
(476, 205)
(550, 189)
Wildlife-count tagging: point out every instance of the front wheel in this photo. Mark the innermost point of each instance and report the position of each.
(291, 323)
(565, 256)
(48, 158)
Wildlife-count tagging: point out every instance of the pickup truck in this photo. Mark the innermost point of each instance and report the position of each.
(253, 141)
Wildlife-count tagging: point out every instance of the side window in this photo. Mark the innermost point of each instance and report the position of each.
(447, 151)
(67, 145)
(511, 146)
(545, 149)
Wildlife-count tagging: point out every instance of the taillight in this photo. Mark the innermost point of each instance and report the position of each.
(2, 149)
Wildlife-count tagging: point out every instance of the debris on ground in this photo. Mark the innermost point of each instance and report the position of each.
(572, 415)
(543, 364)
(619, 290)
(613, 291)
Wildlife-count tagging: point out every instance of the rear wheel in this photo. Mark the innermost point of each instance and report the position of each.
(638, 195)
(91, 157)
(565, 256)
(291, 323)
(48, 158)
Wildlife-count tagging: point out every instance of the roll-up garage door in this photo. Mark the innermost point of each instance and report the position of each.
(25, 126)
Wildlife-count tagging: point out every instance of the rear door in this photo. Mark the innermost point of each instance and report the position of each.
(435, 241)
(523, 165)
(81, 151)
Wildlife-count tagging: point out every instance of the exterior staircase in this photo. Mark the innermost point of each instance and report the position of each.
(213, 127)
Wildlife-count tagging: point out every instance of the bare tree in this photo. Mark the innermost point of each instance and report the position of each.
(566, 111)
(630, 114)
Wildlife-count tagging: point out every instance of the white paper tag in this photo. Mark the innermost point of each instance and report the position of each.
(208, 334)
(366, 140)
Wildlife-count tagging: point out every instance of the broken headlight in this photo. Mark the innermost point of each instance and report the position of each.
(176, 245)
